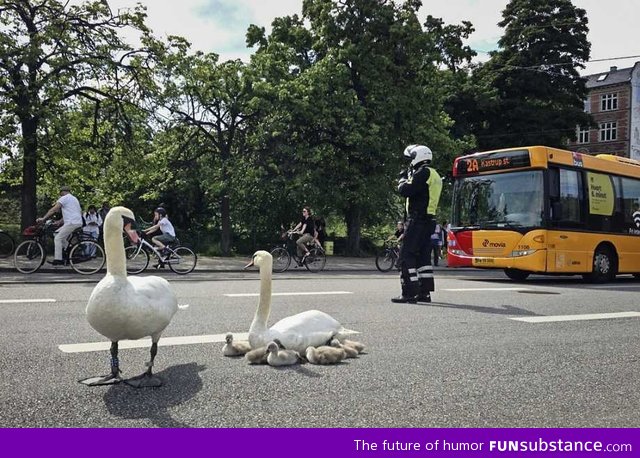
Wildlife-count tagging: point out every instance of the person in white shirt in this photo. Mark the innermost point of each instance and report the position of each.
(71, 218)
(92, 222)
(165, 226)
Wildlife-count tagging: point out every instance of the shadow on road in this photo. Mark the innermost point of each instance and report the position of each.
(505, 310)
(181, 383)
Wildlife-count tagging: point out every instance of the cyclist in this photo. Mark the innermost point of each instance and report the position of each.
(398, 235)
(71, 219)
(164, 225)
(307, 228)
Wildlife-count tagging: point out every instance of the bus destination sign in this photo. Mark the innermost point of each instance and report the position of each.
(493, 161)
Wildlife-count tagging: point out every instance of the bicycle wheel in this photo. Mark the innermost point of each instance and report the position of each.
(86, 257)
(316, 260)
(182, 260)
(28, 257)
(137, 260)
(281, 259)
(6, 245)
(385, 260)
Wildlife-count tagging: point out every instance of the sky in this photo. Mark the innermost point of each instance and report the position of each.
(220, 25)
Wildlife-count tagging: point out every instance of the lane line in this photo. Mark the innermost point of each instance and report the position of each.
(587, 316)
(146, 342)
(484, 289)
(301, 293)
(24, 301)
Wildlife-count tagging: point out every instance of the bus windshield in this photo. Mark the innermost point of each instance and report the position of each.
(501, 200)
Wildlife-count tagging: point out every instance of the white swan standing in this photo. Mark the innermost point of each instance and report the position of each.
(128, 308)
(297, 332)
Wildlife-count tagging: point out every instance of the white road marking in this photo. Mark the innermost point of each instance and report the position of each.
(24, 301)
(145, 343)
(484, 289)
(614, 286)
(587, 316)
(300, 293)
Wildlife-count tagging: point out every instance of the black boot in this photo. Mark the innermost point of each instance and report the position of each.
(425, 292)
(409, 292)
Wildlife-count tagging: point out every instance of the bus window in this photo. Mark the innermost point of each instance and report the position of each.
(565, 199)
(631, 203)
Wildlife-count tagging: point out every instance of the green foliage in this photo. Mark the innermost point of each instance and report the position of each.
(529, 92)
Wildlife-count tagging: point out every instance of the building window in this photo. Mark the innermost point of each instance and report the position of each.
(608, 131)
(609, 102)
(583, 134)
(587, 105)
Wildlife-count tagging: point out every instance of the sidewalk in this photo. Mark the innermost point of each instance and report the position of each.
(237, 263)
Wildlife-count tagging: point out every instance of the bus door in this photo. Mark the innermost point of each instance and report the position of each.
(566, 248)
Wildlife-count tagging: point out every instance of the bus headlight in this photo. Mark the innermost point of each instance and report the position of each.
(457, 252)
(517, 254)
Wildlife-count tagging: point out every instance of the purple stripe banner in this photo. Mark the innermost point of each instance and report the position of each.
(320, 443)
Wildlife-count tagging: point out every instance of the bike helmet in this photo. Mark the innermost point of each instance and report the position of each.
(161, 211)
(418, 154)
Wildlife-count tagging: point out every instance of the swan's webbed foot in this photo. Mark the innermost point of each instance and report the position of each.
(110, 379)
(113, 377)
(146, 380)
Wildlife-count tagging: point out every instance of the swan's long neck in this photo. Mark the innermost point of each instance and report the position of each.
(264, 306)
(114, 246)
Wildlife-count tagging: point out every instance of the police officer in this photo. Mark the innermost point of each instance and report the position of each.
(421, 185)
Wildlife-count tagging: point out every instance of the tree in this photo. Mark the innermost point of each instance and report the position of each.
(360, 83)
(53, 53)
(212, 98)
(539, 95)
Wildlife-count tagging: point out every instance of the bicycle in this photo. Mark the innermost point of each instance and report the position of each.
(180, 259)
(285, 252)
(387, 258)
(83, 253)
(7, 244)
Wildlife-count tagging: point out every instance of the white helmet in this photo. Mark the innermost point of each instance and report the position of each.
(418, 154)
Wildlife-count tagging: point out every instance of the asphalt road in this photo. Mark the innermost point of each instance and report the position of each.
(463, 361)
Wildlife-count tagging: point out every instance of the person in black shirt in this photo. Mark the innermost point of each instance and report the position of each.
(307, 228)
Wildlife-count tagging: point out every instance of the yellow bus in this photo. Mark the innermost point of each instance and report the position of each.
(545, 210)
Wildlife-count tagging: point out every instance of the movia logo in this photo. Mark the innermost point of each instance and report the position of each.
(577, 159)
(489, 244)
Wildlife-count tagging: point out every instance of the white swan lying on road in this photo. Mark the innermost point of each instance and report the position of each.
(296, 332)
(128, 308)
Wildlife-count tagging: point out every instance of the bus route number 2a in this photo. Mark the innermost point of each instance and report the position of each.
(472, 165)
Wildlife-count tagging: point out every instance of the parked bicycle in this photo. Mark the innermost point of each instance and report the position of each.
(7, 244)
(83, 253)
(388, 257)
(180, 259)
(286, 251)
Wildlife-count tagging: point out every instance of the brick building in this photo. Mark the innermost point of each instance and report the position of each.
(614, 103)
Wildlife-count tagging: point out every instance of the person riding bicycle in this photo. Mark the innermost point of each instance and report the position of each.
(164, 225)
(71, 219)
(307, 228)
(398, 235)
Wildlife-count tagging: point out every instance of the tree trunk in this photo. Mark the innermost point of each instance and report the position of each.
(29, 172)
(352, 218)
(225, 242)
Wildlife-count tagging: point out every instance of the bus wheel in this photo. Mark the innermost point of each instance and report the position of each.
(516, 274)
(604, 268)
(637, 276)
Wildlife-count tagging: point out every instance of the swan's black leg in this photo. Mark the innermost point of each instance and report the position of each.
(110, 379)
(147, 379)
